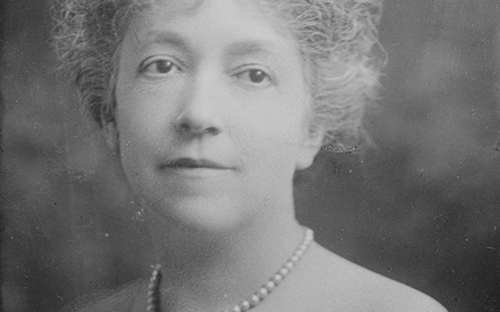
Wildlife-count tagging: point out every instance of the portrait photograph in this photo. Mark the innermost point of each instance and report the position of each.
(250, 155)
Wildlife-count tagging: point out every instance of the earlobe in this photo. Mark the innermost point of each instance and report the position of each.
(112, 137)
(109, 125)
(312, 145)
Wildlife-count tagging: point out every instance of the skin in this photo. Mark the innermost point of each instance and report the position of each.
(233, 94)
(230, 91)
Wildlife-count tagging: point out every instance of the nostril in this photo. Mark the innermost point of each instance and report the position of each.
(213, 130)
(184, 127)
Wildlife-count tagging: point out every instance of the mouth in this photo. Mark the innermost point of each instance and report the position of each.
(190, 163)
(195, 168)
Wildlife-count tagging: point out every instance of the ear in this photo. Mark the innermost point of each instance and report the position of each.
(109, 125)
(310, 147)
(112, 136)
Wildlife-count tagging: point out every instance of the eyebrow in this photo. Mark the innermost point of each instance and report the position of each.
(167, 38)
(250, 48)
(237, 49)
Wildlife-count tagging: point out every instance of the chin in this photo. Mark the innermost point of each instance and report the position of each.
(202, 214)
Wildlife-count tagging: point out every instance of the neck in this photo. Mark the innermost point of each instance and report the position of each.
(212, 271)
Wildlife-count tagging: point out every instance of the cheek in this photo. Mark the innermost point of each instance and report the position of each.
(285, 120)
(138, 132)
(137, 154)
(275, 135)
(143, 114)
(134, 149)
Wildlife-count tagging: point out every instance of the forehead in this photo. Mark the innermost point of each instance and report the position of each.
(231, 18)
(177, 6)
(190, 6)
(174, 8)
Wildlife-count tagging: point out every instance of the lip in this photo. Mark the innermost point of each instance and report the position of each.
(190, 163)
(195, 167)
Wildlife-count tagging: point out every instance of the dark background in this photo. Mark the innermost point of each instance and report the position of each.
(423, 207)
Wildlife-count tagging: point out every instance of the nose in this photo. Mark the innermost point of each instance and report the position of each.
(201, 110)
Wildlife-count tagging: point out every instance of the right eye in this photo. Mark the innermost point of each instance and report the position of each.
(160, 67)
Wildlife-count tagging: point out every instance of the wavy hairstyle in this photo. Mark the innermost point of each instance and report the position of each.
(336, 36)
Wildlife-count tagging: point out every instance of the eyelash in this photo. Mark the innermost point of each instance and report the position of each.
(259, 71)
(147, 64)
(171, 64)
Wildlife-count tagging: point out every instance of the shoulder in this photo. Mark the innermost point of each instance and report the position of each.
(345, 286)
(125, 298)
(392, 296)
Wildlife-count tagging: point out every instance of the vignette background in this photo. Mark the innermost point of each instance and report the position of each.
(422, 208)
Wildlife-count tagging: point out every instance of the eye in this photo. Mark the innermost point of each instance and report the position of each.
(255, 76)
(159, 67)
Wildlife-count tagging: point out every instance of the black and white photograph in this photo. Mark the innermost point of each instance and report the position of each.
(250, 155)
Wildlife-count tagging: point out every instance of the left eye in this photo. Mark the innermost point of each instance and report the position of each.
(160, 67)
(255, 76)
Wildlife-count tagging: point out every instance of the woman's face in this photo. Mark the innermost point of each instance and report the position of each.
(212, 112)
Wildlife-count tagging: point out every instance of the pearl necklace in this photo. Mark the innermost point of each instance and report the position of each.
(255, 299)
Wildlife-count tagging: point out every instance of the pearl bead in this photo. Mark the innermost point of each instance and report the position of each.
(236, 309)
(262, 293)
(294, 258)
(289, 265)
(277, 278)
(245, 305)
(283, 271)
(270, 286)
(254, 300)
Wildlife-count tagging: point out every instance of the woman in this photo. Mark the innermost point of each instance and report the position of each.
(210, 106)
